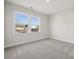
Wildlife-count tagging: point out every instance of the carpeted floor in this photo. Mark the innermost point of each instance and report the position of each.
(43, 49)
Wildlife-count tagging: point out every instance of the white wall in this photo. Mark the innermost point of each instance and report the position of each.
(61, 26)
(15, 39)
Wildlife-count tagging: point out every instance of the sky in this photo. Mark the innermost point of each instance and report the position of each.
(35, 20)
(23, 19)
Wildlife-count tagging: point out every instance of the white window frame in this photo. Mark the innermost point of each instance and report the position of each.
(14, 21)
(29, 22)
(39, 22)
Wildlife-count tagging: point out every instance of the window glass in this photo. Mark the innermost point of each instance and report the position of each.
(35, 24)
(21, 23)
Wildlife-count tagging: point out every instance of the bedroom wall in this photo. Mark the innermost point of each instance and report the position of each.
(61, 26)
(15, 39)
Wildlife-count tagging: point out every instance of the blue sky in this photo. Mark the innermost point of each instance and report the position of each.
(23, 19)
(35, 21)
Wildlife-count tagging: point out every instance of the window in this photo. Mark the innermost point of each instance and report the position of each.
(25, 23)
(34, 24)
(21, 23)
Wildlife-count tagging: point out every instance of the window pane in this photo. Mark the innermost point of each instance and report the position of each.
(21, 23)
(35, 24)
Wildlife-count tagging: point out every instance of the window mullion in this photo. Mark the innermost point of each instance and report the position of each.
(29, 25)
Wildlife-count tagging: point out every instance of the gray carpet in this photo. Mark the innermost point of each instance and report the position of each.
(44, 49)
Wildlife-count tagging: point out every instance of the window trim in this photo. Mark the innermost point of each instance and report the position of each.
(14, 21)
(29, 22)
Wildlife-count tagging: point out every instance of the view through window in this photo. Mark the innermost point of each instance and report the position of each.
(35, 24)
(23, 21)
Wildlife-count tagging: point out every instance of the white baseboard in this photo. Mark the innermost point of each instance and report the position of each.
(25, 42)
(60, 39)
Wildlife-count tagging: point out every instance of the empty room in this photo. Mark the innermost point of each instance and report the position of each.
(39, 29)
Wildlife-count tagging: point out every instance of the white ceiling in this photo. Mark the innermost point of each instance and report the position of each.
(43, 7)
